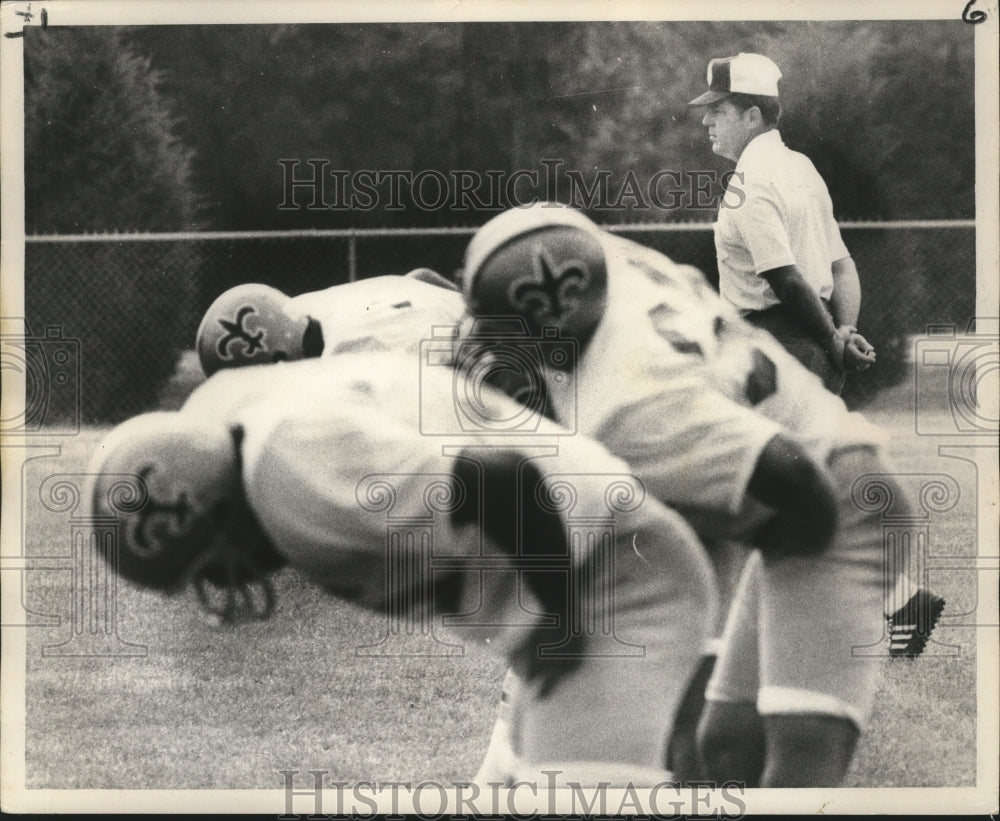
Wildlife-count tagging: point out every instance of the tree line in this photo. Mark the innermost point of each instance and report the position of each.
(175, 127)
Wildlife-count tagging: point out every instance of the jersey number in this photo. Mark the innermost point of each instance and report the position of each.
(762, 381)
(661, 318)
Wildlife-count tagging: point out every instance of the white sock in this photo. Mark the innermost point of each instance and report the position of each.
(500, 762)
(900, 594)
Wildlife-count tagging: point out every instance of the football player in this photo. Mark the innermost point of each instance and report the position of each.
(370, 314)
(305, 463)
(672, 381)
(253, 324)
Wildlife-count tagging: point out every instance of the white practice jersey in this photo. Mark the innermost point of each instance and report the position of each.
(314, 429)
(677, 384)
(332, 455)
(386, 313)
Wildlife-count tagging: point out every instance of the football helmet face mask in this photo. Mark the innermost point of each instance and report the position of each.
(173, 482)
(544, 263)
(492, 351)
(250, 324)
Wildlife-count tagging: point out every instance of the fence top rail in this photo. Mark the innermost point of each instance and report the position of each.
(350, 233)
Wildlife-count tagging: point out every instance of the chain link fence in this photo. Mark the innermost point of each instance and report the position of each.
(128, 306)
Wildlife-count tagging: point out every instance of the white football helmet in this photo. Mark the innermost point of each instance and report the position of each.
(250, 324)
(173, 482)
(545, 263)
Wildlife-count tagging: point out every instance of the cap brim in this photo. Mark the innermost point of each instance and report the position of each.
(710, 97)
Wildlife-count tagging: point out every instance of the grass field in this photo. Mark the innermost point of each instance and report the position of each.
(230, 708)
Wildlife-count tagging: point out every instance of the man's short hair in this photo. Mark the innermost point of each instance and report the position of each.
(770, 107)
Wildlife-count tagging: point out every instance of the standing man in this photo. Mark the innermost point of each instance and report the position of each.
(782, 262)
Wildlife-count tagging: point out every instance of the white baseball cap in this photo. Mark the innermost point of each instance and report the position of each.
(741, 74)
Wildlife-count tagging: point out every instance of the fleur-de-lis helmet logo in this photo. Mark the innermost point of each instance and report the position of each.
(176, 514)
(555, 289)
(250, 324)
(236, 332)
(546, 264)
(183, 476)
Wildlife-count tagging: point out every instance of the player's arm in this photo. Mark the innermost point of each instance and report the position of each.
(801, 300)
(788, 480)
(720, 462)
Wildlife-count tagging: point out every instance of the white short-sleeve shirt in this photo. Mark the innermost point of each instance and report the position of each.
(776, 212)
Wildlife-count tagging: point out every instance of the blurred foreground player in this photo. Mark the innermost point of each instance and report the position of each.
(302, 463)
(671, 380)
(254, 324)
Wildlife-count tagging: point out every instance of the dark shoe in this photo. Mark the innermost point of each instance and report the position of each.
(910, 627)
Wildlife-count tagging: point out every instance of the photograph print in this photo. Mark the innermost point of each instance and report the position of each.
(413, 408)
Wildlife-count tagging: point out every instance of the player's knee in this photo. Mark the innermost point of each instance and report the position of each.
(803, 495)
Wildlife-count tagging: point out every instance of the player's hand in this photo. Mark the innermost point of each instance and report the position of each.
(859, 354)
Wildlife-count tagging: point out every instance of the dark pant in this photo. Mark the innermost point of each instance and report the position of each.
(783, 326)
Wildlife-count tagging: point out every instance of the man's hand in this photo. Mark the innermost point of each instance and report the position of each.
(836, 346)
(849, 350)
(859, 355)
(803, 303)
